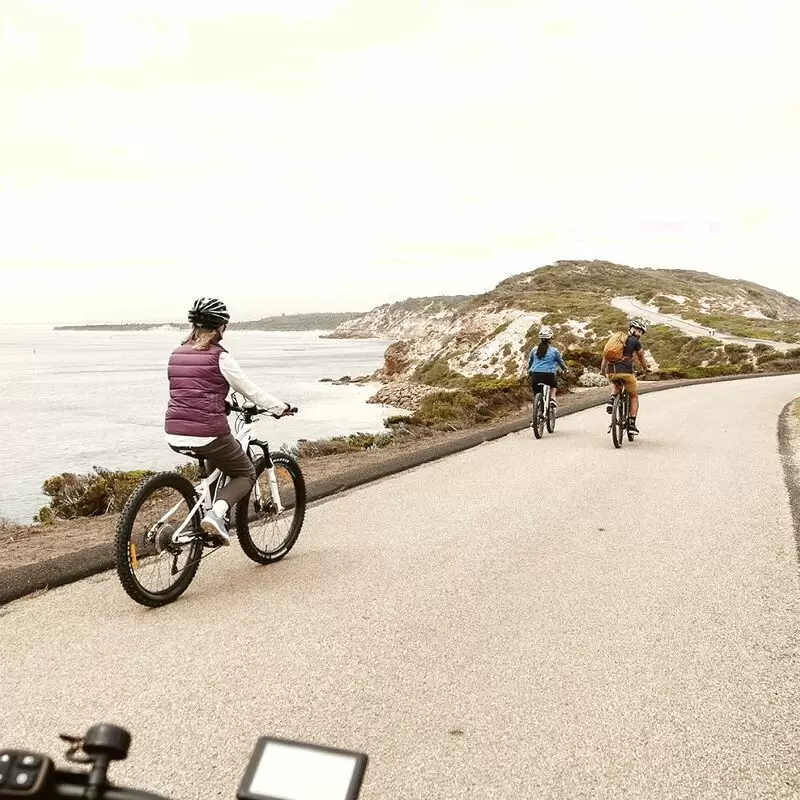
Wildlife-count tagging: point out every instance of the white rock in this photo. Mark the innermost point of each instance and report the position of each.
(590, 379)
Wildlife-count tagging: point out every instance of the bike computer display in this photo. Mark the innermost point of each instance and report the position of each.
(281, 769)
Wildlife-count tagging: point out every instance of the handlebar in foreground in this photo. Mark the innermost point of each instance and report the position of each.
(279, 769)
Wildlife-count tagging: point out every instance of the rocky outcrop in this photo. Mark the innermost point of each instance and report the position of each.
(403, 394)
(398, 359)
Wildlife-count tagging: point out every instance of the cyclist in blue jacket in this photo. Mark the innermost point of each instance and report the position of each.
(543, 363)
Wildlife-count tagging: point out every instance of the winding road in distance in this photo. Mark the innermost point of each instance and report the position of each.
(631, 306)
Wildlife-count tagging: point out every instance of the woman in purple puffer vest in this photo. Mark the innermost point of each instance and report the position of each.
(201, 373)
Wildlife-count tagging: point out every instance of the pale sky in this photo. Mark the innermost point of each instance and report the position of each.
(312, 155)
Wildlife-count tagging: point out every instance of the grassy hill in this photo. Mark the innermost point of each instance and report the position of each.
(442, 340)
(583, 289)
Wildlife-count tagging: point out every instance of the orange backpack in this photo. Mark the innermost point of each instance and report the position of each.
(615, 348)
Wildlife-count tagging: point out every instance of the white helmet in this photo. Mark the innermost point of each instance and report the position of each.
(545, 332)
(638, 322)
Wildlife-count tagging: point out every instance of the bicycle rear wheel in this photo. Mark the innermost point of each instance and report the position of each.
(538, 415)
(618, 420)
(265, 534)
(152, 570)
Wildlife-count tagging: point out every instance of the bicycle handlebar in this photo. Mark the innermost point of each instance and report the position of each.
(29, 774)
(33, 775)
(252, 410)
(67, 784)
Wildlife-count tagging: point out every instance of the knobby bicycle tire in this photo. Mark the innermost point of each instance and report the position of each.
(617, 420)
(551, 418)
(125, 527)
(538, 415)
(628, 417)
(244, 507)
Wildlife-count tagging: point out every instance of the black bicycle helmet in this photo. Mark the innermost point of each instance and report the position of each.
(208, 312)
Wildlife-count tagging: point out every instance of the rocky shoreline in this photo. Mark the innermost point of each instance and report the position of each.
(404, 394)
(408, 395)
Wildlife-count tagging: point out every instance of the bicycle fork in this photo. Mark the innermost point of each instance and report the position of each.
(273, 488)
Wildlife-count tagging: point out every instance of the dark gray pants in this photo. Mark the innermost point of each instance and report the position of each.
(226, 455)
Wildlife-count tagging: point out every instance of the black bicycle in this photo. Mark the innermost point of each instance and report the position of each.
(620, 416)
(277, 768)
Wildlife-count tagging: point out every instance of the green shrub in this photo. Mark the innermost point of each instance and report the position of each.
(665, 344)
(343, 444)
(607, 322)
(478, 402)
(553, 318)
(436, 372)
(698, 350)
(101, 491)
(585, 358)
(666, 305)
(766, 358)
(785, 365)
(737, 353)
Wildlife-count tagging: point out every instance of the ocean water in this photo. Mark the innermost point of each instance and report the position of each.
(71, 400)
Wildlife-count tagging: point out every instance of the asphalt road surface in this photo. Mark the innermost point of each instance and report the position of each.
(527, 619)
(635, 309)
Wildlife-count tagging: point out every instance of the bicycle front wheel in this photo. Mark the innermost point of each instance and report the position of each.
(538, 416)
(628, 431)
(267, 533)
(551, 418)
(618, 420)
(152, 569)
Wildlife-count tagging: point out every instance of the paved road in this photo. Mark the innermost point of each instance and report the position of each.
(551, 619)
(630, 306)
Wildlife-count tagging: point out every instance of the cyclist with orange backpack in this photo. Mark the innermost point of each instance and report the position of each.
(618, 357)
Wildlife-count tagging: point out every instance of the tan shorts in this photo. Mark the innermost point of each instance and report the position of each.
(628, 378)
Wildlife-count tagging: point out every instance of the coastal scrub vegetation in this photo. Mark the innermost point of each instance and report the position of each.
(92, 494)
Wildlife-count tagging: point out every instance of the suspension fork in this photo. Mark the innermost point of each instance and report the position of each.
(272, 480)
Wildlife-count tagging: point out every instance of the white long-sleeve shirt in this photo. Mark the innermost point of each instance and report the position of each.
(239, 382)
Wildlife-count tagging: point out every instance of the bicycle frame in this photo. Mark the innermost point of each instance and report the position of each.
(545, 396)
(203, 489)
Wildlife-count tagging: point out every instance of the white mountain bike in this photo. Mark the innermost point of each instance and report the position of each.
(159, 542)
